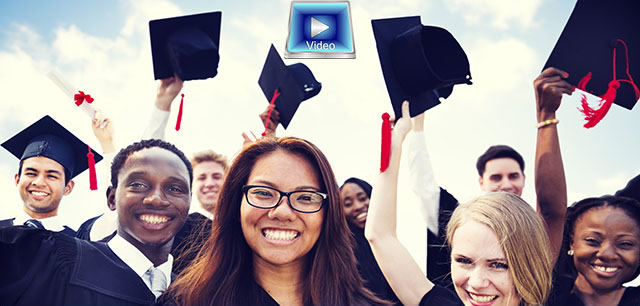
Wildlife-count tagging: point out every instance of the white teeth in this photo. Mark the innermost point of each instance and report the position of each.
(482, 298)
(39, 193)
(605, 269)
(279, 234)
(154, 219)
(361, 215)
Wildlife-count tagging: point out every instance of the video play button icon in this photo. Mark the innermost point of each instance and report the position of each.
(317, 27)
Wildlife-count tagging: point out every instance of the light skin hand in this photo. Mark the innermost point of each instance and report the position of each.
(104, 134)
(402, 126)
(396, 263)
(247, 140)
(418, 123)
(167, 91)
(274, 120)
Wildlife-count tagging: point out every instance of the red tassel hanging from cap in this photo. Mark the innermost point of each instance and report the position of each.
(93, 180)
(593, 116)
(385, 150)
(276, 94)
(179, 121)
(582, 85)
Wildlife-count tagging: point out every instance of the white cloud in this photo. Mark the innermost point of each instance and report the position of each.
(501, 14)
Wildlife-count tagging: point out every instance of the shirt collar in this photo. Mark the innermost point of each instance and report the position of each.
(137, 261)
(53, 223)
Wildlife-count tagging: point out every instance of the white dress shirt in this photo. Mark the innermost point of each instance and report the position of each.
(421, 179)
(157, 124)
(54, 223)
(137, 261)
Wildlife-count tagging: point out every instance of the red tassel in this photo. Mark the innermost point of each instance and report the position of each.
(179, 121)
(385, 150)
(93, 180)
(593, 116)
(276, 94)
(583, 82)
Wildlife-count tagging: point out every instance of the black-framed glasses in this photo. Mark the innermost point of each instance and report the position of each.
(266, 197)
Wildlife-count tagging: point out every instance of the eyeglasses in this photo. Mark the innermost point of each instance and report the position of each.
(268, 197)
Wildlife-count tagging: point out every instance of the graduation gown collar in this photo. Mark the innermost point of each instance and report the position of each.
(99, 269)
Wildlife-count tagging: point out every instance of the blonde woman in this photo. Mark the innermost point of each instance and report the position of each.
(500, 251)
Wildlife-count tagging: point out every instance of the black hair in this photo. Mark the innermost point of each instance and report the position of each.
(363, 184)
(121, 157)
(498, 151)
(574, 212)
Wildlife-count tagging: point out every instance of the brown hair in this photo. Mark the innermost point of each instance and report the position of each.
(223, 272)
(209, 155)
(522, 236)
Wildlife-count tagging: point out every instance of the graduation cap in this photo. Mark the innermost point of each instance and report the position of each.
(419, 63)
(47, 138)
(286, 86)
(600, 49)
(632, 190)
(187, 45)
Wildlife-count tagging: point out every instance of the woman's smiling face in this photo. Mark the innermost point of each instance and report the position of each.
(606, 245)
(479, 268)
(281, 235)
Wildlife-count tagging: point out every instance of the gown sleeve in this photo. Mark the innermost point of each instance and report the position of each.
(35, 264)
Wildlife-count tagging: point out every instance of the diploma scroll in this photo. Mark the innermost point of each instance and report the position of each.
(72, 93)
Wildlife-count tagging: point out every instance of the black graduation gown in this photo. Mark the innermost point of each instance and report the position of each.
(189, 240)
(84, 231)
(259, 298)
(368, 268)
(440, 296)
(438, 253)
(41, 267)
(67, 230)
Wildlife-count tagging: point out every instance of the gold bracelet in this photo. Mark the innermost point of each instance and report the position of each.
(542, 124)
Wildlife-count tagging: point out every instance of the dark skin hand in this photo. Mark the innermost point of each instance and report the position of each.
(550, 182)
(549, 87)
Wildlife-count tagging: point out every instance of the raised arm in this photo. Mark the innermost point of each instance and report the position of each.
(103, 130)
(270, 128)
(421, 179)
(167, 92)
(399, 268)
(550, 183)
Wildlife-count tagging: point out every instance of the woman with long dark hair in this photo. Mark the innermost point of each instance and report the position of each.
(279, 235)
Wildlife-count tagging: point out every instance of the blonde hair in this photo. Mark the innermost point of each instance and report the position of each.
(209, 155)
(522, 236)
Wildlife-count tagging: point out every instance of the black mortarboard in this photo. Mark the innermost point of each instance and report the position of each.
(632, 190)
(295, 83)
(186, 45)
(587, 44)
(419, 63)
(48, 138)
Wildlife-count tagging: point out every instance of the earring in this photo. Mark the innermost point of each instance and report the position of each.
(570, 252)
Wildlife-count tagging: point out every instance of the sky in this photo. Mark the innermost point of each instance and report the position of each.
(103, 48)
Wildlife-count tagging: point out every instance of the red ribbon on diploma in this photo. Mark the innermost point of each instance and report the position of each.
(80, 97)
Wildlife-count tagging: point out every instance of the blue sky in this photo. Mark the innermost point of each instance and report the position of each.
(103, 47)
